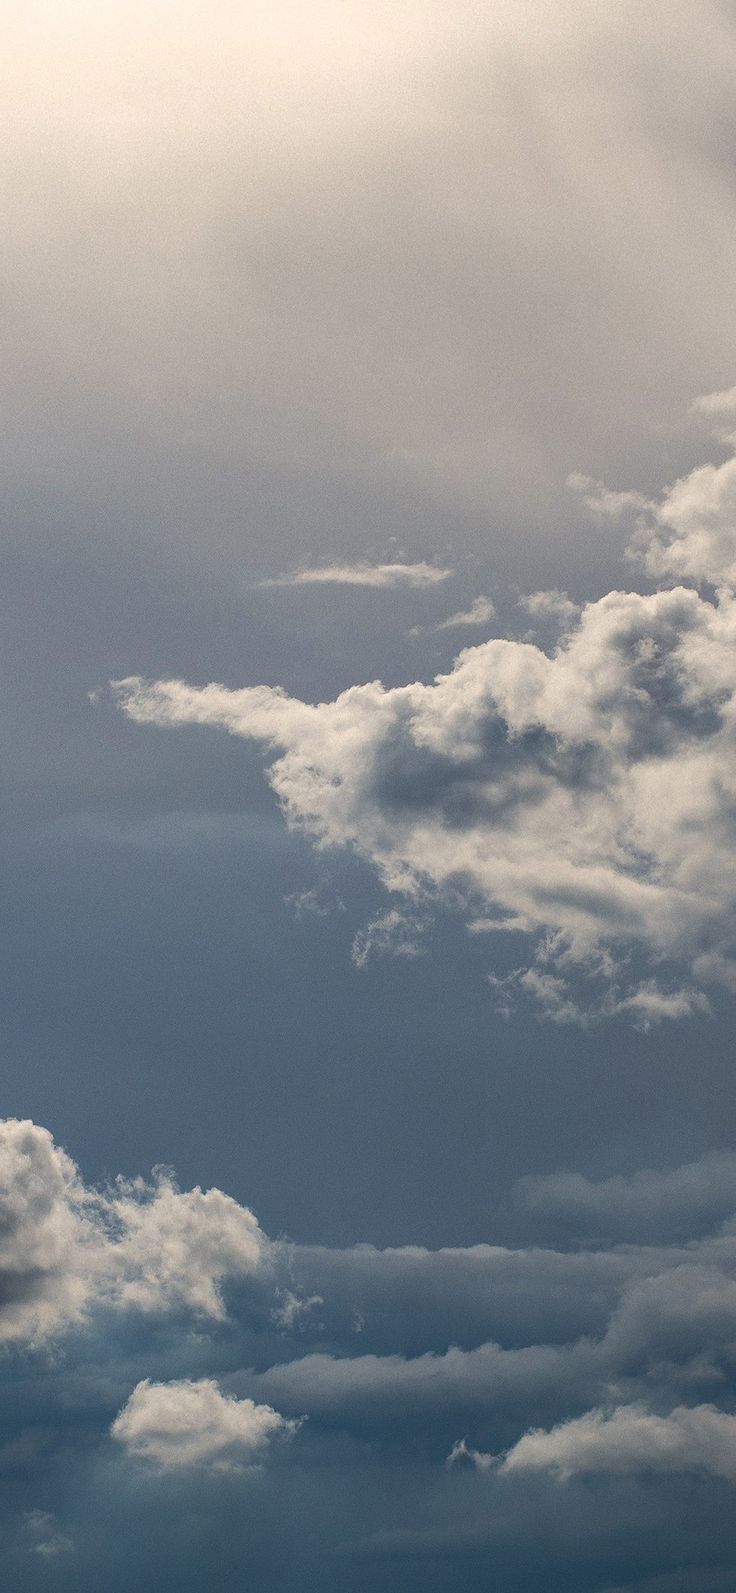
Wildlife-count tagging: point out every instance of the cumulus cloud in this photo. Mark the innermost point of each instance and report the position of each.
(609, 1357)
(186, 1423)
(149, 1247)
(689, 533)
(586, 797)
(376, 575)
(632, 1439)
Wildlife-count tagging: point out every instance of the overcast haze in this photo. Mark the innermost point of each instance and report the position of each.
(367, 1168)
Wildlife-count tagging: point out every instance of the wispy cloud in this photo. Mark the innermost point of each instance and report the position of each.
(375, 575)
(481, 611)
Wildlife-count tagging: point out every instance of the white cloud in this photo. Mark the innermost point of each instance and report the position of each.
(550, 604)
(175, 1248)
(631, 1439)
(393, 934)
(718, 408)
(481, 612)
(150, 1247)
(187, 1423)
(689, 533)
(587, 795)
(375, 575)
(49, 1246)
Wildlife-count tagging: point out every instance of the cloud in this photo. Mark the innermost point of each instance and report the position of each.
(461, 1454)
(481, 612)
(717, 408)
(603, 501)
(550, 604)
(615, 1358)
(44, 1535)
(663, 1205)
(185, 1423)
(393, 934)
(173, 1249)
(689, 533)
(49, 1247)
(630, 1439)
(587, 795)
(148, 1247)
(375, 575)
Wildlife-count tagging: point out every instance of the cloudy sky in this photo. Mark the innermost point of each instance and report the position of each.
(368, 1138)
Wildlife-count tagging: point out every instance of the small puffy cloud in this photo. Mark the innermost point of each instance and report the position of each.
(150, 1247)
(391, 934)
(193, 1424)
(364, 574)
(550, 604)
(631, 1439)
(481, 612)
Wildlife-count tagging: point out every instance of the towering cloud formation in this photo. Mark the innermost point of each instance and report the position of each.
(584, 797)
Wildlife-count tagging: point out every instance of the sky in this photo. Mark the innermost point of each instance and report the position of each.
(368, 958)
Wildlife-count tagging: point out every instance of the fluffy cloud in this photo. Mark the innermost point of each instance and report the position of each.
(614, 1359)
(632, 1439)
(186, 1423)
(585, 797)
(64, 1247)
(49, 1245)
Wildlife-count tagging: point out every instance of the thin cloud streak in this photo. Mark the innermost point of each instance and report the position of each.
(372, 575)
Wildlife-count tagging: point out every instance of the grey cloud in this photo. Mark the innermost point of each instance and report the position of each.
(659, 1205)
